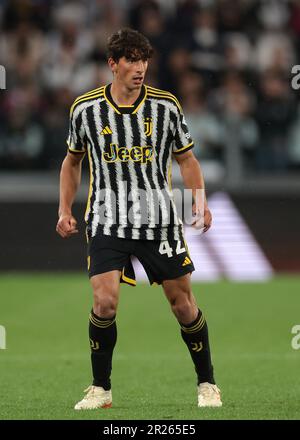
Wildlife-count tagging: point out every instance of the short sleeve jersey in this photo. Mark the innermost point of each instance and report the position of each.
(130, 152)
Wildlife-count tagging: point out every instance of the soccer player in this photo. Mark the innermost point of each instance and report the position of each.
(130, 132)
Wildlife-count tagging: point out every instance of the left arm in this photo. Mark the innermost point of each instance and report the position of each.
(193, 179)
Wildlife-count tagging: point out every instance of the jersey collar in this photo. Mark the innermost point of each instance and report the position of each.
(125, 109)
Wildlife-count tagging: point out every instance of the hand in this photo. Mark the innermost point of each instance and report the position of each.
(66, 226)
(202, 222)
(207, 219)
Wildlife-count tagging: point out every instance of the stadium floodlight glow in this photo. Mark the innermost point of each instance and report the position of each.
(236, 251)
(2, 77)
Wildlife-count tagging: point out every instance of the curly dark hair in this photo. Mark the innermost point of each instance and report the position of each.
(130, 44)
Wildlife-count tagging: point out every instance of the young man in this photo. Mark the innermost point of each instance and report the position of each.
(130, 132)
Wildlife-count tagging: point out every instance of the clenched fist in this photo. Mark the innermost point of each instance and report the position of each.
(202, 222)
(66, 226)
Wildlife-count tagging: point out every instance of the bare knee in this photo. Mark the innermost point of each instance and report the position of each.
(105, 295)
(181, 299)
(184, 308)
(105, 306)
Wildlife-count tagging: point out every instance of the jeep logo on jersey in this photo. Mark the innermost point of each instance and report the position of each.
(148, 126)
(113, 153)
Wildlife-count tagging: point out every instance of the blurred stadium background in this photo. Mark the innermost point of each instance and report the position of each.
(229, 62)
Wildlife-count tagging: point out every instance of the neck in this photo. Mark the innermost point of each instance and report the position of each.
(122, 95)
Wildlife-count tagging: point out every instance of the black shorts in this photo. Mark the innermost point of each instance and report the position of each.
(162, 260)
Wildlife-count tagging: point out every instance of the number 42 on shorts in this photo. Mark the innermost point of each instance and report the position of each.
(165, 248)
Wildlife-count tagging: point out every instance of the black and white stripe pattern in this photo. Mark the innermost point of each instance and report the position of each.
(114, 206)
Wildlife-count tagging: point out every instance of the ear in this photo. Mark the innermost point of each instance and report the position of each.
(112, 64)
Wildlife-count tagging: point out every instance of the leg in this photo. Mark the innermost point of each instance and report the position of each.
(193, 325)
(103, 337)
(170, 259)
(102, 326)
(181, 298)
(106, 288)
(107, 257)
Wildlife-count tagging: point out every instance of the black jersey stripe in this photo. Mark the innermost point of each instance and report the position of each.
(93, 154)
(76, 142)
(91, 189)
(79, 127)
(166, 154)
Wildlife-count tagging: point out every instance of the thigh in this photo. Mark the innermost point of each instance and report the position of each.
(106, 286)
(164, 260)
(108, 281)
(106, 290)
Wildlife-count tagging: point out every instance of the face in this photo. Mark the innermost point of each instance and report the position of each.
(129, 73)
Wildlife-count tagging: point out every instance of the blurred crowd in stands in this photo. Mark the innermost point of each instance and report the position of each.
(228, 61)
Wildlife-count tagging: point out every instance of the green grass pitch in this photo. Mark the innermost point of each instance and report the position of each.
(45, 366)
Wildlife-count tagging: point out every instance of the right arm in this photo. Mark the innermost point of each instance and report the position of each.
(70, 176)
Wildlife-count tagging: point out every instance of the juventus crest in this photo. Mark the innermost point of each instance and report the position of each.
(148, 126)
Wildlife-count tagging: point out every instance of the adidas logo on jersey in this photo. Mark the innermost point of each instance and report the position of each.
(106, 130)
(186, 261)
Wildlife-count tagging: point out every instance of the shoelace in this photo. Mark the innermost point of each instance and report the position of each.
(90, 390)
(207, 390)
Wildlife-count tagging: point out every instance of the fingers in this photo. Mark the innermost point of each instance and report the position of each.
(206, 228)
(198, 223)
(66, 226)
(73, 223)
(65, 234)
(203, 222)
(207, 222)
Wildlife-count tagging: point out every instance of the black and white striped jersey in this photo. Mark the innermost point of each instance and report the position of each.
(130, 155)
